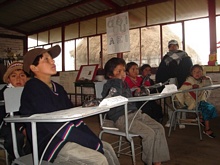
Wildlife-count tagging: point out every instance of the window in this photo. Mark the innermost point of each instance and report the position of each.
(69, 55)
(218, 37)
(134, 53)
(94, 50)
(43, 38)
(150, 46)
(81, 52)
(32, 40)
(58, 59)
(198, 40)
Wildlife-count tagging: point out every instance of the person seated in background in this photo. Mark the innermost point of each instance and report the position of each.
(75, 142)
(153, 108)
(175, 64)
(207, 110)
(154, 143)
(14, 77)
(135, 83)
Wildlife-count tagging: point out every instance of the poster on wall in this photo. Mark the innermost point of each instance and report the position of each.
(87, 72)
(118, 37)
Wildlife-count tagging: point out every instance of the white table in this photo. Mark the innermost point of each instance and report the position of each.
(58, 116)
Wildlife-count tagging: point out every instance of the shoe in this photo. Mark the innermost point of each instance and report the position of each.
(181, 126)
(167, 125)
(209, 135)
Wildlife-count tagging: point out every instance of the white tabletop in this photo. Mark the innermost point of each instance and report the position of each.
(153, 96)
(156, 96)
(60, 116)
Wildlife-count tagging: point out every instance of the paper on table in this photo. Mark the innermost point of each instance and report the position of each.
(169, 88)
(113, 101)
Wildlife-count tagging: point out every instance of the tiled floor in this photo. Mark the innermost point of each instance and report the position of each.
(184, 145)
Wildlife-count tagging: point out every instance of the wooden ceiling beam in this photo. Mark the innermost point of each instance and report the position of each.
(53, 12)
(110, 4)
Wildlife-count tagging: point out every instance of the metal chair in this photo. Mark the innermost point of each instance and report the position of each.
(12, 104)
(178, 110)
(125, 145)
(3, 148)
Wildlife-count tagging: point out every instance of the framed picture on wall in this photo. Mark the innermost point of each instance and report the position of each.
(87, 72)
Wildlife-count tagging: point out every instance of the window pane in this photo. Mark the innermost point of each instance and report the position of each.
(134, 54)
(150, 46)
(58, 59)
(106, 56)
(198, 41)
(94, 50)
(69, 55)
(172, 32)
(55, 35)
(137, 17)
(101, 23)
(32, 40)
(43, 38)
(72, 31)
(160, 13)
(217, 7)
(81, 52)
(218, 37)
(88, 27)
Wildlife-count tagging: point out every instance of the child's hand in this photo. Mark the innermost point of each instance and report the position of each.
(195, 86)
(204, 78)
(137, 92)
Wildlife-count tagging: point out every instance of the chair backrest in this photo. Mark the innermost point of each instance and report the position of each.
(12, 103)
(12, 99)
(99, 88)
(2, 86)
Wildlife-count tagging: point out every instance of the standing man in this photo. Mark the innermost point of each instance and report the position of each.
(175, 64)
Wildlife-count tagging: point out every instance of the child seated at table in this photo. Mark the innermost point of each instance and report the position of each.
(14, 77)
(135, 82)
(155, 148)
(207, 110)
(75, 142)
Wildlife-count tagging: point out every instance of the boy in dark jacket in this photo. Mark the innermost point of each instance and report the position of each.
(42, 95)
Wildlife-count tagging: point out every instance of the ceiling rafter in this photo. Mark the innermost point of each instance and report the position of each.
(54, 12)
(88, 9)
(110, 4)
(114, 10)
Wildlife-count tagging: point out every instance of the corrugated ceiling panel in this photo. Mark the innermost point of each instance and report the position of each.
(189, 9)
